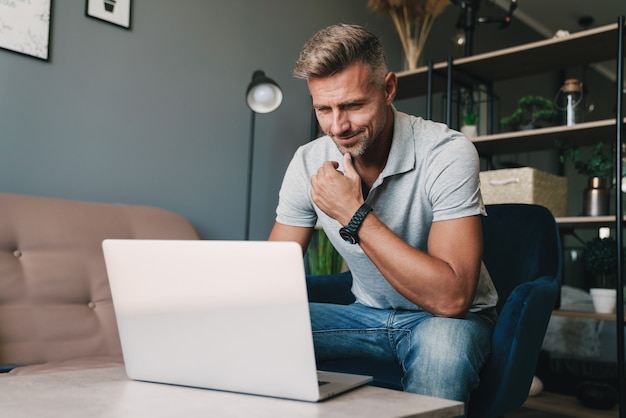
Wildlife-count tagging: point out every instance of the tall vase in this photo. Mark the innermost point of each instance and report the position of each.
(596, 197)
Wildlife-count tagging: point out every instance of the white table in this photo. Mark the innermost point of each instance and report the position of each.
(109, 393)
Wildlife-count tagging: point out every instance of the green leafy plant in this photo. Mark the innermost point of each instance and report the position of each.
(531, 111)
(322, 257)
(594, 163)
(470, 117)
(600, 259)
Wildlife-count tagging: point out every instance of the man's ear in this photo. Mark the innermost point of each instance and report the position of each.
(391, 86)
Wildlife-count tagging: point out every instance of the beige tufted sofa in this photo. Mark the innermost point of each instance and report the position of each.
(55, 304)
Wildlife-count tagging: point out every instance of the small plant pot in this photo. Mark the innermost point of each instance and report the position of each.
(603, 299)
(469, 131)
(109, 5)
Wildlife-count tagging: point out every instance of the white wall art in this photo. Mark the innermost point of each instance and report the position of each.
(25, 27)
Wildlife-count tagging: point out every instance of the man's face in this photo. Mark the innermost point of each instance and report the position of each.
(350, 109)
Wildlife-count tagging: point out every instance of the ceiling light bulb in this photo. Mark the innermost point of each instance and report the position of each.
(458, 39)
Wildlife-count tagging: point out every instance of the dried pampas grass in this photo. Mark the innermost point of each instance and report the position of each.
(413, 20)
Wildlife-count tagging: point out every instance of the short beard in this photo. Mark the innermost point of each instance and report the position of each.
(357, 150)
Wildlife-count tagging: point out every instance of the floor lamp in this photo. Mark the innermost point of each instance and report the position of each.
(262, 96)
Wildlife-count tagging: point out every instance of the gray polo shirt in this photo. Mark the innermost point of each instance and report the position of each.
(431, 175)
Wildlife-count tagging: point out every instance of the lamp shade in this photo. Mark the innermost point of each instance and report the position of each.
(263, 94)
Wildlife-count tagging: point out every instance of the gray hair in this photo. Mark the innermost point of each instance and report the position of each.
(336, 47)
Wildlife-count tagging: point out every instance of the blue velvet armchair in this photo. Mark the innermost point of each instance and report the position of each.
(522, 251)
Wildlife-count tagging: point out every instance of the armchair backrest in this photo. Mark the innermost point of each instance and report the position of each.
(522, 251)
(521, 242)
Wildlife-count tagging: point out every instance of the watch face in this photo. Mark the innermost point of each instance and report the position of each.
(347, 236)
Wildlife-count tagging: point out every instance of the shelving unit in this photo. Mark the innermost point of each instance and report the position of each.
(591, 46)
(532, 58)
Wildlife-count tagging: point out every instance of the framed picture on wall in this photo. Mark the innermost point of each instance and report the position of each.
(25, 27)
(112, 11)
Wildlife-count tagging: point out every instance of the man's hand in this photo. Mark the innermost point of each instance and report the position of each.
(337, 194)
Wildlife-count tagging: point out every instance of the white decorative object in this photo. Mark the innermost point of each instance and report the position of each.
(536, 387)
(604, 300)
(560, 34)
(469, 131)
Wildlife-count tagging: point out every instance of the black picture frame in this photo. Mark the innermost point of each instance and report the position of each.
(26, 27)
(116, 12)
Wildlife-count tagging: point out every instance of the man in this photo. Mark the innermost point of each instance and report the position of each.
(399, 198)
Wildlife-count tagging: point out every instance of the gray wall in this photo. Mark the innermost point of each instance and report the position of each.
(156, 115)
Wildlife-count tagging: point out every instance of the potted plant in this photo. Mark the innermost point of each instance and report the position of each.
(469, 123)
(532, 112)
(600, 261)
(597, 166)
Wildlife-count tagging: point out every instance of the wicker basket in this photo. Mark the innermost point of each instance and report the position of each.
(525, 185)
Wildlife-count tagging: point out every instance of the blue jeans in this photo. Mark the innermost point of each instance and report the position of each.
(440, 357)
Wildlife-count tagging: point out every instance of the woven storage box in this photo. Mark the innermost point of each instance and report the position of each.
(525, 185)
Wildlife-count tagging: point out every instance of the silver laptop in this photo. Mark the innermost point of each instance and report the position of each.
(225, 315)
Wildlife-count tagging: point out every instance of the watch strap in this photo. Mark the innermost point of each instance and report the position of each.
(353, 226)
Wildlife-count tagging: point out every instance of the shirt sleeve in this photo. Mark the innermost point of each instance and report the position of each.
(295, 207)
(453, 179)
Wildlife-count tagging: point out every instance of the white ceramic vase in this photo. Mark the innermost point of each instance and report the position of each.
(603, 299)
(469, 131)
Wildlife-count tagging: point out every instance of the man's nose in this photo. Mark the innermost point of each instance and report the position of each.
(340, 122)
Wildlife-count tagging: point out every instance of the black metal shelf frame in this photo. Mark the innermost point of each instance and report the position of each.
(619, 220)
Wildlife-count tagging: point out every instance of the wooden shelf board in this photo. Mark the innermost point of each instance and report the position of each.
(585, 221)
(583, 315)
(567, 406)
(544, 138)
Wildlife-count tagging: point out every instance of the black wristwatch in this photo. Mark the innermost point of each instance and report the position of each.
(349, 232)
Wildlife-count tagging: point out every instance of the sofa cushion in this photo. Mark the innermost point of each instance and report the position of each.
(55, 302)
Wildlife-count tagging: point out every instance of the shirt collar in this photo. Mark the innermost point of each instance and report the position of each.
(402, 153)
